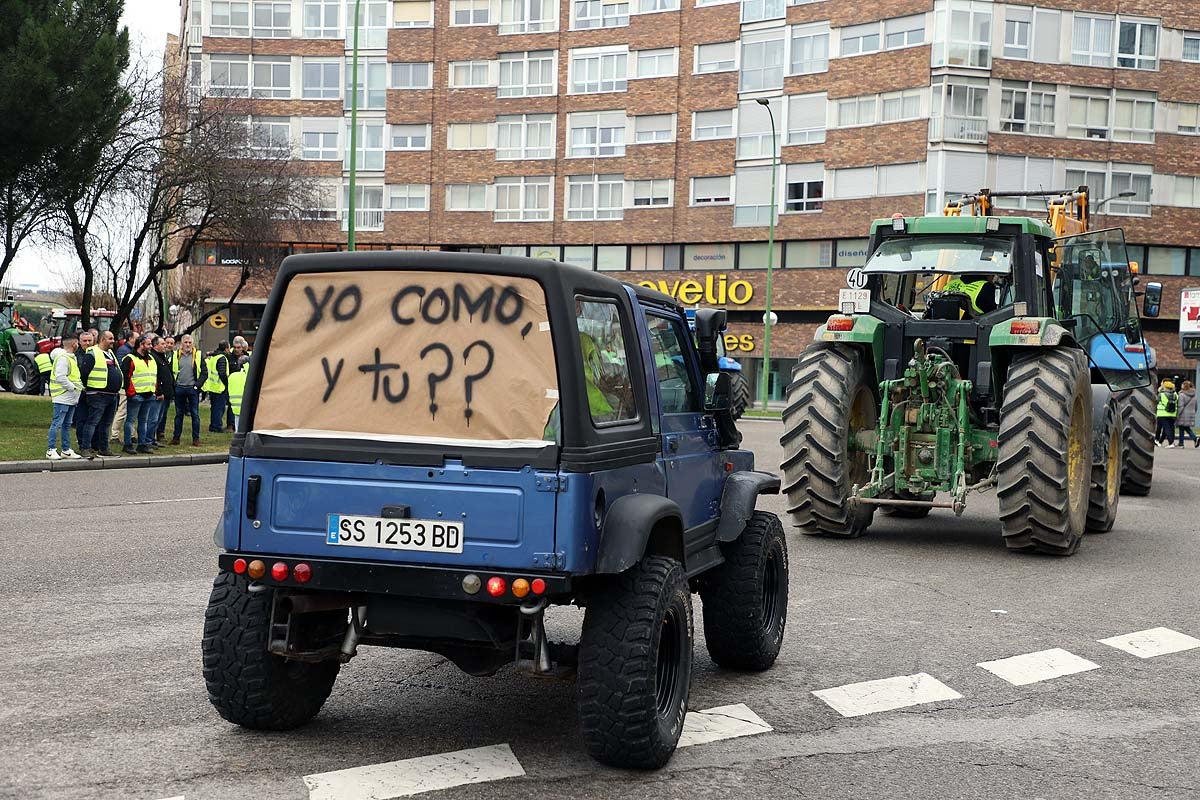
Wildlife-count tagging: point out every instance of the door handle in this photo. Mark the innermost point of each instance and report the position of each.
(673, 445)
(253, 484)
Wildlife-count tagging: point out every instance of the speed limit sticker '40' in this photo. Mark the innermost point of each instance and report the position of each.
(423, 535)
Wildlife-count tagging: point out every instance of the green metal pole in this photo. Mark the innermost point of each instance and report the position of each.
(764, 382)
(353, 130)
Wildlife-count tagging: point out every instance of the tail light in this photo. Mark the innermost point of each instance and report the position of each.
(256, 569)
(1135, 348)
(496, 586)
(239, 566)
(840, 324)
(279, 571)
(1025, 326)
(538, 585)
(302, 573)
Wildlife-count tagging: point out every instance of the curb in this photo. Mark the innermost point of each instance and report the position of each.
(125, 462)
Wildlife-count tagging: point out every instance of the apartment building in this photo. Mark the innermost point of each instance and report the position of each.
(635, 136)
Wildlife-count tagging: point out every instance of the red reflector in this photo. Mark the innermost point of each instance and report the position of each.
(729, 466)
(1135, 348)
(496, 586)
(995, 443)
(537, 585)
(279, 571)
(302, 573)
(840, 324)
(239, 566)
(1025, 326)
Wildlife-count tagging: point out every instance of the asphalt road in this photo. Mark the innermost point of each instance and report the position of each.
(101, 694)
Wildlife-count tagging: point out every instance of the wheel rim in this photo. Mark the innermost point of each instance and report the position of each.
(1077, 462)
(770, 593)
(1113, 477)
(20, 376)
(863, 417)
(667, 670)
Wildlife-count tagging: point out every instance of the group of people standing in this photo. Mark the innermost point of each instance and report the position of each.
(1176, 413)
(107, 393)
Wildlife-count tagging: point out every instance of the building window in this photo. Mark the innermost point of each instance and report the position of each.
(411, 14)
(1187, 191)
(372, 22)
(1027, 108)
(1105, 180)
(715, 57)
(368, 207)
(806, 118)
(810, 48)
(654, 128)
(816, 254)
(470, 12)
(1167, 260)
(270, 137)
(962, 34)
(958, 110)
(470, 74)
(855, 111)
(754, 128)
(1021, 174)
(1018, 31)
(903, 32)
(467, 197)
(272, 77)
(1188, 118)
(643, 257)
(1133, 117)
(323, 204)
(319, 138)
(805, 187)
(528, 74)
(467, 136)
(762, 61)
(860, 39)
(229, 18)
(887, 179)
(1088, 113)
(372, 84)
(322, 19)
(321, 79)
(599, 14)
(528, 16)
(272, 19)
(1137, 45)
(655, 192)
(523, 199)
(656, 63)
(758, 10)
(753, 204)
(1092, 42)
(712, 191)
(900, 106)
(1191, 46)
(524, 136)
(595, 197)
(410, 137)
(408, 197)
(654, 6)
(712, 124)
(412, 75)
(601, 70)
(596, 134)
(369, 145)
(229, 76)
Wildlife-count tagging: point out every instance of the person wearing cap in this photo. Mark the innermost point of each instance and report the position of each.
(1168, 409)
(66, 387)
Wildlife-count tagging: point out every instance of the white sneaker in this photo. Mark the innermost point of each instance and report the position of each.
(1171, 446)
(69, 453)
(53, 455)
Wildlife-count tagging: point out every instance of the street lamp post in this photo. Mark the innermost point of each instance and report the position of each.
(353, 131)
(1095, 209)
(765, 380)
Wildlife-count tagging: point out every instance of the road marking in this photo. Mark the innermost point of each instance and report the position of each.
(1040, 666)
(170, 500)
(722, 722)
(1152, 642)
(869, 697)
(415, 775)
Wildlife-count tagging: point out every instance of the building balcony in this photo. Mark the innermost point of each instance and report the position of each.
(370, 219)
(971, 130)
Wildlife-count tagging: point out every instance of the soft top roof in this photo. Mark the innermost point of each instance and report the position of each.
(964, 225)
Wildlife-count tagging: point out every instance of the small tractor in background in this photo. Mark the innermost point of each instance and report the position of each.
(20, 344)
(967, 365)
(740, 396)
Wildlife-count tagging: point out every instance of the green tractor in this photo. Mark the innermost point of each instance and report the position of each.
(964, 365)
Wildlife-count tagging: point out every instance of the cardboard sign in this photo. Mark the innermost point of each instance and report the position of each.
(410, 356)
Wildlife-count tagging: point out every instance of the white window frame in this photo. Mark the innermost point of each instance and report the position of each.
(525, 186)
(1018, 33)
(582, 187)
(374, 20)
(479, 135)
(860, 40)
(476, 196)
(655, 6)
(754, 129)
(607, 134)
(809, 202)
(228, 63)
(581, 60)
(1185, 184)
(660, 62)
(1191, 47)
(762, 78)
(273, 8)
(721, 64)
(524, 63)
(651, 193)
(472, 9)
(323, 90)
(858, 112)
(471, 74)
(233, 29)
(368, 156)
(1092, 118)
(760, 10)
(326, 141)
(710, 198)
(1137, 101)
(409, 196)
(272, 67)
(697, 127)
(546, 20)
(611, 14)
(373, 77)
(909, 100)
(424, 22)
(522, 125)
(1027, 91)
(324, 30)
(976, 51)
(406, 132)
(1097, 53)
(814, 131)
(270, 137)
(1135, 59)
(368, 216)
(396, 67)
(817, 36)
(1186, 117)
(643, 133)
(910, 27)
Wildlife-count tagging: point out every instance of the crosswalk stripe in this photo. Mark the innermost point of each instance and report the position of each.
(722, 722)
(416, 775)
(887, 694)
(1040, 666)
(1152, 642)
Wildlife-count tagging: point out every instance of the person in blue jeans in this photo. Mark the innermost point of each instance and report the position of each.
(141, 389)
(187, 365)
(65, 389)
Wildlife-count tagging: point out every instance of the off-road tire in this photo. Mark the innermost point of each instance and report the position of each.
(247, 685)
(1106, 471)
(636, 616)
(1045, 460)
(740, 396)
(745, 599)
(23, 377)
(829, 390)
(1138, 414)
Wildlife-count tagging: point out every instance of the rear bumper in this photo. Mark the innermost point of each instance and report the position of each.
(373, 577)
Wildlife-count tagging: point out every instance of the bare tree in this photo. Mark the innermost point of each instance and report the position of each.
(179, 172)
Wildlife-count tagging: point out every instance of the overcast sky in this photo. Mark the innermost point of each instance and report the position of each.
(149, 23)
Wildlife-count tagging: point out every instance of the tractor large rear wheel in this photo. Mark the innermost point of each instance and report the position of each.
(1045, 461)
(740, 397)
(1137, 414)
(829, 403)
(24, 377)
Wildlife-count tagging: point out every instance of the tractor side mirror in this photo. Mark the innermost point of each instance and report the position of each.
(1152, 301)
(709, 324)
(718, 389)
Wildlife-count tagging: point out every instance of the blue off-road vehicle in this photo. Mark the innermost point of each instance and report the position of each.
(434, 448)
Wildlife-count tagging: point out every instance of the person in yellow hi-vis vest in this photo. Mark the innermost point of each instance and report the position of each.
(979, 289)
(237, 389)
(65, 389)
(217, 366)
(141, 389)
(44, 366)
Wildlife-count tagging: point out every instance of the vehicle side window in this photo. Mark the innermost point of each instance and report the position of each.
(605, 361)
(675, 387)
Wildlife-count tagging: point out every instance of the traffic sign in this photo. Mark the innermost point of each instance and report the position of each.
(856, 278)
(218, 321)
